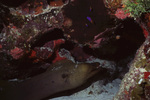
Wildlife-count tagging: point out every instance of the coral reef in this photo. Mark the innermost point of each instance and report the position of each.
(36, 35)
(134, 85)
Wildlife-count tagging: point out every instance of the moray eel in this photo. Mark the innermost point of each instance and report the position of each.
(61, 76)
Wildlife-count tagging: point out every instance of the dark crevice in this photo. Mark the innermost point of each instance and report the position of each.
(69, 45)
(12, 3)
(48, 36)
(1, 27)
(131, 38)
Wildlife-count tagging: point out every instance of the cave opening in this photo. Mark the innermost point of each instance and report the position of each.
(48, 36)
(131, 38)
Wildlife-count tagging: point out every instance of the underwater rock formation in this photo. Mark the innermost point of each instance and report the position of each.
(37, 34)
(134, 85)
(24, 25)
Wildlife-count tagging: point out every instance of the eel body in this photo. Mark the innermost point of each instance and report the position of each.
(61, 76)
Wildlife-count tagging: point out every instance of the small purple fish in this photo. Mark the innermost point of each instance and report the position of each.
(91, 9)
(89, 18)
(86, 25)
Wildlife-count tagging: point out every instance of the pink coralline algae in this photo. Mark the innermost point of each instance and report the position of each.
(120, 14)
(97, 43)
(58, 57)
(0, 46)
(58, 42)
(45, 51)
(145, 32)
(17, 53)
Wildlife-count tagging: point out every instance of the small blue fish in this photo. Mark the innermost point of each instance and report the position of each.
(91, 9)
(86, 25)
(89, 18)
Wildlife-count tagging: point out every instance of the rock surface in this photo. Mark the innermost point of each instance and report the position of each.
(35, 34)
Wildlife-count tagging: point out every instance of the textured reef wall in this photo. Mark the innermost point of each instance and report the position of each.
(37, 34)
(135, 85)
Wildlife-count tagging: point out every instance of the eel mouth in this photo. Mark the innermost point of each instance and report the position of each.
(95, 69)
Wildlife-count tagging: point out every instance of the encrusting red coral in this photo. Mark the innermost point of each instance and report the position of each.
(145, 32)
(0, 46)
(33, 54)
(58, 42)
(120, 14)
(58, 57)
(46, 51)
(17, 53)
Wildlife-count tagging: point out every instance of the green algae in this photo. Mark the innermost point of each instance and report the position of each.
(141, 63)
(147, 67)
(137, 92)
(137, 7)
